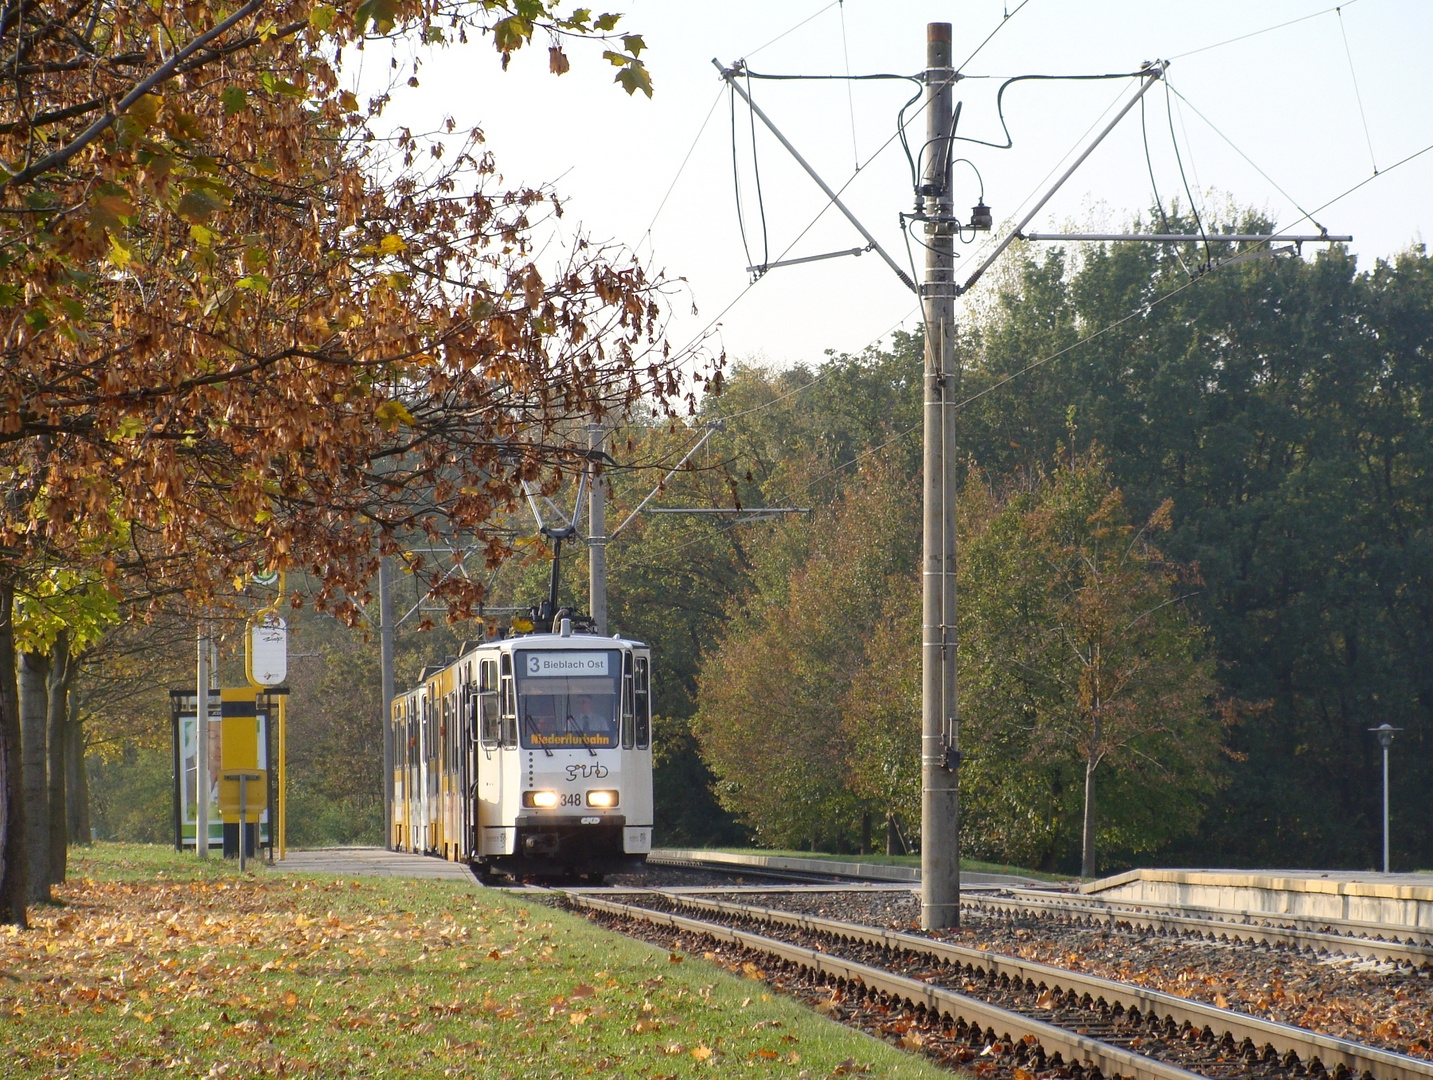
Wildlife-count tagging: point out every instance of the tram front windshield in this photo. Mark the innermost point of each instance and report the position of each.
(568, 699)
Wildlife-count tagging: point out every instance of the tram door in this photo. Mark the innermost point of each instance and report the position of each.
(413, 823)
(420, 789)
(398, 739)
(468, 802)
(489, 788)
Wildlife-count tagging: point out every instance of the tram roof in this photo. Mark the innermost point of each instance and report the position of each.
(575, 640)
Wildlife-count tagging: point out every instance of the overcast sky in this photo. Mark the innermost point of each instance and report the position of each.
(1289, 99)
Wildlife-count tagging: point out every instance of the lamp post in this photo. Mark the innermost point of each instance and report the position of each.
(1385, 739)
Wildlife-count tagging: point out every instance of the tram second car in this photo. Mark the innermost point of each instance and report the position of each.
(528, 756)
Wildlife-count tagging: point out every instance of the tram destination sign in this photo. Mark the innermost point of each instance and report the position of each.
(545, 664)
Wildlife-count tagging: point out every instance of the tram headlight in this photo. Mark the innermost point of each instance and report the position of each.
(602, 798)
(544, 800)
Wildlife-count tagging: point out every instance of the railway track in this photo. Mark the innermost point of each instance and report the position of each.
(1014, 1015)
(1371, 941)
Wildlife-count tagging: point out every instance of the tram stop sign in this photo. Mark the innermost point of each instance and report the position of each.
(268, 651)
(243, 792)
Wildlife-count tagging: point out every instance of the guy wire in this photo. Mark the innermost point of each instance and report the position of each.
(850, 97)
(1356, 95)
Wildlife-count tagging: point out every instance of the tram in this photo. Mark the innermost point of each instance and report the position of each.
(528, 756)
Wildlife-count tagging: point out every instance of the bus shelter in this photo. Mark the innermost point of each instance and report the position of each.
(243, 725)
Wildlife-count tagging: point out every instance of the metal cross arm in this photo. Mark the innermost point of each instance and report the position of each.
(730, 74)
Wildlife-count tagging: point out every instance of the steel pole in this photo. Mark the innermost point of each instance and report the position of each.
(385, 648)
(596, 534)
(283, 822)
(940, 854)
(1385, 804)
(201, 744)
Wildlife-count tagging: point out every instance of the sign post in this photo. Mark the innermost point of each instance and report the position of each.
(243, 779)
(266, 663)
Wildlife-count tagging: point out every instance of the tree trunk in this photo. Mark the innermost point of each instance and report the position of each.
(1092, 762)
(57, 723)
(895, 842)
(77, 785)
(14, 867)
(1087, 860)
(34, 672)
(865, 834)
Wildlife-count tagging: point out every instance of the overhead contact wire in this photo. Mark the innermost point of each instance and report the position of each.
(736, 178)
(1193, 209)
(756, 172)
(1257, 33)
(1154, 187)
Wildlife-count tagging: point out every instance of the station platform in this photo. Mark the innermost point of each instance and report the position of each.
(370, 862)
(1394, 900)
(853, 868)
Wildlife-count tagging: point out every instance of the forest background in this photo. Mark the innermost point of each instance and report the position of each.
(1257, 438)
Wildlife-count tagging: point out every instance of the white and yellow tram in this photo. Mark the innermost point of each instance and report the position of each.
(528, 755)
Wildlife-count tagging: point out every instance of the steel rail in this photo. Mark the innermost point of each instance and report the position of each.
(1112, 1061)
(1219, 929)
(1329, 1050)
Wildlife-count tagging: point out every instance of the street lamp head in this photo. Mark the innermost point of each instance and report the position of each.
(1385, 734)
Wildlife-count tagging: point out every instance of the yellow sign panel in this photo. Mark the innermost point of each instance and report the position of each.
(239, 755)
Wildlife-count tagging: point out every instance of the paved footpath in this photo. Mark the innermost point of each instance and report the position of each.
(372, 862)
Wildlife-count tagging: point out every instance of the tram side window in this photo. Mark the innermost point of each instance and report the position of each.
(508, 703)
(643, 694)
(626, 701)
(488, 703)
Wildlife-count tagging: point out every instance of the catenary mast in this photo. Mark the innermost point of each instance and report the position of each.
(940, 846)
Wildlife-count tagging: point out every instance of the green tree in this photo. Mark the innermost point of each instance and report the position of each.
(769, 718)
(1282, 405)
(881, 713)
(1078, 648)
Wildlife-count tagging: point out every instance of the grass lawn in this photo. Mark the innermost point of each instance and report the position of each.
(973, 865)
(154, 964)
